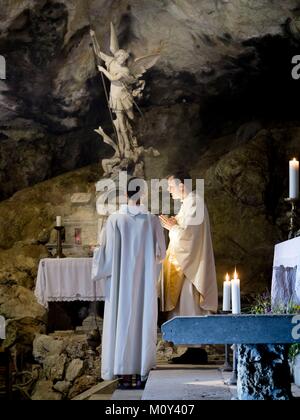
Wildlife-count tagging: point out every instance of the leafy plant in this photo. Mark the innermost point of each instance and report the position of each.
(263, 306)
(294, 351)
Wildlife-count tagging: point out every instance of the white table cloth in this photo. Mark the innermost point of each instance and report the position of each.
(286, 273)
(67, 279)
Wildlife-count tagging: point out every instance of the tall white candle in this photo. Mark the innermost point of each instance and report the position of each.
(236, 294)
(58, 221)
(294, 178)
(226, 294)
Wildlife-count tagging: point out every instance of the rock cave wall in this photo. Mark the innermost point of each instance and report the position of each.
(220, 101)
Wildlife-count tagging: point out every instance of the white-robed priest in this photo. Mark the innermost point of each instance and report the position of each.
(189, 285)
(133, 247)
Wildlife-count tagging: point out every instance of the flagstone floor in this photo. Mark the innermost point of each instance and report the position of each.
(182, 382)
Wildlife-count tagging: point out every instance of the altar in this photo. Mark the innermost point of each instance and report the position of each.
(286, 273)
(67, 280)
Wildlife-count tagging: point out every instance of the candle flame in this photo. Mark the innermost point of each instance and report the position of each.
(227, 277)
(235, 276)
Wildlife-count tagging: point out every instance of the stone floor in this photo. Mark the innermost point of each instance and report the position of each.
(178, 382)
(181, 382)
(193, 383)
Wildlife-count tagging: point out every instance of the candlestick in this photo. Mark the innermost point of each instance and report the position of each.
(234, 376)
(293, 233)
(59, 253)
(236, 294)
(294, 178)
(226, 294)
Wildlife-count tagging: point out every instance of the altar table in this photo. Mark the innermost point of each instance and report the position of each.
(67, 280)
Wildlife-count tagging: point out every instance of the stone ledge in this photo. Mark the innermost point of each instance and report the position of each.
(229, 329)
(105, 387)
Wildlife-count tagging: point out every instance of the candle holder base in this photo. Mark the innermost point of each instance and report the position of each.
(227, 367)
(292, 216)
(59, 256)
(233, 379)
(60, 233)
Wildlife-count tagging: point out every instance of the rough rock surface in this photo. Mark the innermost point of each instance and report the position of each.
(53, 96)
(43, 391)
(82, 384)
(219, 102)
(27, 219)
(263, 372)
(74, 369)
(61, 375)
(62, 387)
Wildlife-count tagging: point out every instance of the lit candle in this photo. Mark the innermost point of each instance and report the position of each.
(236, 294)
(58, 221)
(294, 178)
(226, 294)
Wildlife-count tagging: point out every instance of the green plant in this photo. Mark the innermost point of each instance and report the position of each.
(263, 306)
(294, 351)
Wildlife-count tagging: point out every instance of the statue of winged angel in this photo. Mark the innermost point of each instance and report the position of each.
(126, 86)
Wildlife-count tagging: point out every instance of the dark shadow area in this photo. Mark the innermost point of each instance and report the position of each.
(64, 316)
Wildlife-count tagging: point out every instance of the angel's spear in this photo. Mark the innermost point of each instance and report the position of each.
(97, 54)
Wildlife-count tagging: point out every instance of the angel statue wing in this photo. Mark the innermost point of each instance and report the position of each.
(107, 58)
(142, 64)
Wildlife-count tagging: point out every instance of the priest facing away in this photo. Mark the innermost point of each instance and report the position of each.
(133, 247)
(189, 285)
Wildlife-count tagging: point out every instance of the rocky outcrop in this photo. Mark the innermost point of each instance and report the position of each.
(44, 391)
(219, 102)
(53, 96)
(263, 373)
(27, 221)
(61, 375)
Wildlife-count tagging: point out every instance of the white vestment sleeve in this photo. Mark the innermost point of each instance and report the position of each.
(106, 249)
(160, 241)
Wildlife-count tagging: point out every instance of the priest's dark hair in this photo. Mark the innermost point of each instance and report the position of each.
(135, 188)
(179, 174)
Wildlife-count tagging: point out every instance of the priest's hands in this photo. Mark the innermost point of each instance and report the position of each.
(168, 222)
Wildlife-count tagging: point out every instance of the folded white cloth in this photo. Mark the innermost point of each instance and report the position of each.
(286, 273)
(67, 279)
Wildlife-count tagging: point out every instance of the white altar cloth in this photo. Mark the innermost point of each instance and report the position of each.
(68, 280)
(286, 273)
